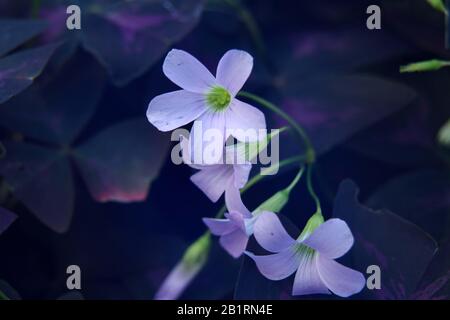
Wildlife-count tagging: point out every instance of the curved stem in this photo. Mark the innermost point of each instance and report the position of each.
(256, 179)
(311, 190)
(296, 179)
(310, 153)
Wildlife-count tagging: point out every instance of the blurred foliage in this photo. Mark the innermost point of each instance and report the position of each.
(77, 99)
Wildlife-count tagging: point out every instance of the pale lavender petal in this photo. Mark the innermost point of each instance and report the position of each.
(241, 174)
(234, 202)
(235, 242)
(175, 109)
(177, 281)
(219, 227)
(307, 279)
(332, 238)
(234, 69)
(341, 280)
(6, 219)
(208, 138)
(187, 72)
(244, 121)
(213, 180)
(237, 219)
(270, 233)
(277, 266)
(186, 154)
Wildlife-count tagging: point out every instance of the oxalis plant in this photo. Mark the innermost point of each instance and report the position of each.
(215, 106)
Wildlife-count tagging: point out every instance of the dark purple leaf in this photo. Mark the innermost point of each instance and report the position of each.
(42, 179)
(435, 283)
(114, 175)
(6, 219)
(333, 108)
(56, 111)
(398, 247)
(421, 197)
(127, 37)
(406, 137)
(15, 32)
(418, 22)
(320, 52)
(17, 71)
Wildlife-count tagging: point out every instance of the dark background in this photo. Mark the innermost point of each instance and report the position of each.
(316, 59)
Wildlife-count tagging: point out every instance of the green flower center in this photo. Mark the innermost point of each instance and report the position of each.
(218, 98)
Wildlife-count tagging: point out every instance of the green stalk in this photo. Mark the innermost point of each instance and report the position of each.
(310, 153)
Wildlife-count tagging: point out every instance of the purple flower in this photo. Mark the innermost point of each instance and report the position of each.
(216, 179)
(237, 226)
(209, 101)
(311, 256)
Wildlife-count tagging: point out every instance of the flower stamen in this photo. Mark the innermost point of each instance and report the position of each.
(218, 98)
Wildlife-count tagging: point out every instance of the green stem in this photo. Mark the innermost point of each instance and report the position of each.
(310, 153)
(311, 190)
(296, 179)
(256, 179)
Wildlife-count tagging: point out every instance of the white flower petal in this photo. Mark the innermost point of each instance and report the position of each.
(244, 121)
(340, 279)
(270, 233)
(213, 180)
(175, 109)
(187, 72)
(307, 279)
(277, 266)
(208, 138)
(332, 238)
(234, 69)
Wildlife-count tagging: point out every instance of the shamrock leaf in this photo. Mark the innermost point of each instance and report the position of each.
(42, 161)
(401, 249)
(421, 197)
(127, 37)
(334, 108)
(122, 176)
(18, 70)
(406, 137)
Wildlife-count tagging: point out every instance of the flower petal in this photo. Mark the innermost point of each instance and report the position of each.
(187, 72)
(307, 279)
(234, 69)
(332, 238)
(244, 121)
(219, 227)
(176, 282)
(277, 266)
(270, 233)
(213, 180)
(175, 109)
(208, 138)
(241, 173)
(237, 219)
(341, 280)
(235, 242)
(234, 202)
(185, 147)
